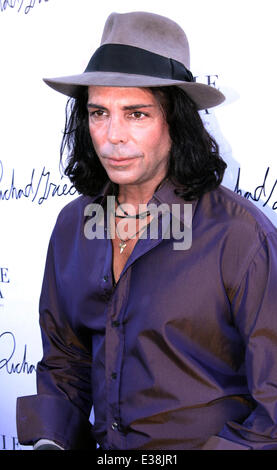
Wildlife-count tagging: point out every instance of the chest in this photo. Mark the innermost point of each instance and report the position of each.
(125, 237)
(121, 253)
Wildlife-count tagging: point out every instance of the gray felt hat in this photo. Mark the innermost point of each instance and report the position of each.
(140, 49)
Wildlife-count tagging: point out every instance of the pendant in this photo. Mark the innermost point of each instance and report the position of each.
(122, 246)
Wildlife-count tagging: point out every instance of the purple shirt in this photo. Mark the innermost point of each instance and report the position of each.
(179, 354)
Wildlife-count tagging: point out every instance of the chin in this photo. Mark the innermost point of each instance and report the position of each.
(123, 179)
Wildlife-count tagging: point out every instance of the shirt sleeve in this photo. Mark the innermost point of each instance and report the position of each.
(254, 307)
(60, 410)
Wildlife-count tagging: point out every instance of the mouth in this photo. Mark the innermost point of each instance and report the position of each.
(120, 161)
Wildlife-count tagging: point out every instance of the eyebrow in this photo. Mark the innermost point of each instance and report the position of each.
(125, 108)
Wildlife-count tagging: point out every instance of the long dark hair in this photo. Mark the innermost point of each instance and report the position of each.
(194, 164)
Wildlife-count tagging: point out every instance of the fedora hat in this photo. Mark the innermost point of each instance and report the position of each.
(140, 49)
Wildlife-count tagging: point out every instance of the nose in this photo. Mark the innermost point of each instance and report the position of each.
(117, 130)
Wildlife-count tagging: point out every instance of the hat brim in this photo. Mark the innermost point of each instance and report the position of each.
(204, 96)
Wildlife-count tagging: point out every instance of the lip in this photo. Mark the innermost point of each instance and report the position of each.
(120, 161)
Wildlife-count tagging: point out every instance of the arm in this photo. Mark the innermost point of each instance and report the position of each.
(254, 308)
(60, 410)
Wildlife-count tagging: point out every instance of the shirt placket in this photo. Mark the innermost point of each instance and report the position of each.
(115, 339)
(114, 351)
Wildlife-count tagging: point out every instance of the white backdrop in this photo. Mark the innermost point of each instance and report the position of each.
(233, 45)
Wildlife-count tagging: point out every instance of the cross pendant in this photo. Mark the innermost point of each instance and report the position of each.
(122, 245)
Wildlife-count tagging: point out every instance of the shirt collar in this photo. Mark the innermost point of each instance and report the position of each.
(164, 194)
(107, 190)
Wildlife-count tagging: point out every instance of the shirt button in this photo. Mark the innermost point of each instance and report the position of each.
(114, 375)
(105, 278)
(114, 426)
(115, 323)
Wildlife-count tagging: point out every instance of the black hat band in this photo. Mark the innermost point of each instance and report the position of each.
(120, 58)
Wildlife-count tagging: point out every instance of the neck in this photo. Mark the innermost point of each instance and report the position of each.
(135, 195)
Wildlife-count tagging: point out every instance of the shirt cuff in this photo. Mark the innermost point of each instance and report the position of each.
(52, 418)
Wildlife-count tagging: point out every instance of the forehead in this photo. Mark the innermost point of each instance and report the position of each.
(121, 95)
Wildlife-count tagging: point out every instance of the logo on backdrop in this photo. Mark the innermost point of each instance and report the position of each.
(39, 188)
(266, 191)
(263, 192)
(9, 442)
(4, 281)
(211, 80)
(23, 6)
(9, 361)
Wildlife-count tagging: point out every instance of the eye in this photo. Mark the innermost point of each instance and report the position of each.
(97, 114)
(138, 115)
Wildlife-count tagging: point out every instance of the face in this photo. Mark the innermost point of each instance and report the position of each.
(129, 133)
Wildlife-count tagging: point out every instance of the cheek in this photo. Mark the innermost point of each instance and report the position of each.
(96, 136)
(159, 140)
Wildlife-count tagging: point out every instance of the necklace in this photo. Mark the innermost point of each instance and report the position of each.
(141, 215)
(123, 243)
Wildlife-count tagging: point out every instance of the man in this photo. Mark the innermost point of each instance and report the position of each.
(173, 348)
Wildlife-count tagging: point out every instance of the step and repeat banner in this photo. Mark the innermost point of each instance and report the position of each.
(232, 48)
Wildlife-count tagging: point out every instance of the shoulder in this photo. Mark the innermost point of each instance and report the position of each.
(72, 215)
(235, 212)
(241, 232)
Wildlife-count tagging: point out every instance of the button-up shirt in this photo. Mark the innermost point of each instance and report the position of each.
(180, 353)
